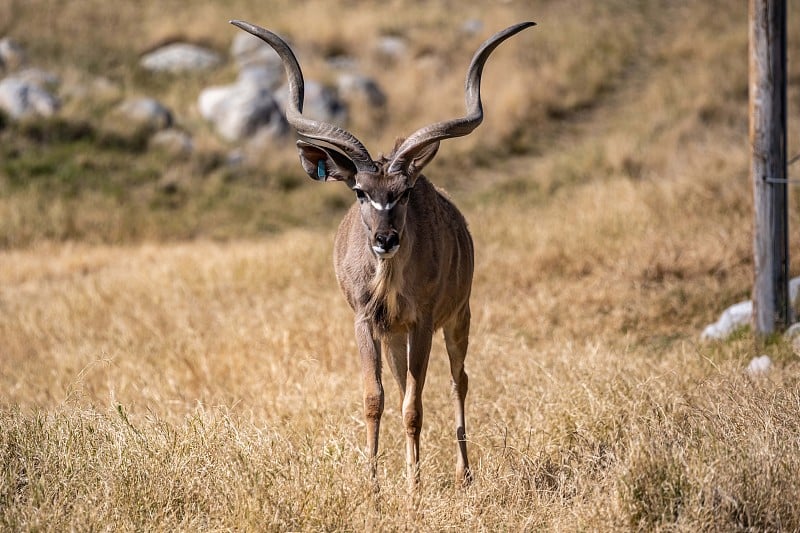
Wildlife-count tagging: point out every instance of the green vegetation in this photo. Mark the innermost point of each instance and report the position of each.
(72, 181)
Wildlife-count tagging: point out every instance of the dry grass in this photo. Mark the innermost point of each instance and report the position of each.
(211, 386)
(206, 385)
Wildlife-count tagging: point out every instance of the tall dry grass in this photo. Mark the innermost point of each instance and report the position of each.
(212, 386)
(204, 385)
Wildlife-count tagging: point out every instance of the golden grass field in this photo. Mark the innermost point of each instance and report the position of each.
(194, 375)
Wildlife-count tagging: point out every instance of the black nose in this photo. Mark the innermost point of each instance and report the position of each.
(388, 241)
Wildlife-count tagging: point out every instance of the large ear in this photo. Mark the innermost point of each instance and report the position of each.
(416, 161)
(326, 164)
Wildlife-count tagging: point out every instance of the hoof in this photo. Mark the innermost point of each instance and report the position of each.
(464, 479)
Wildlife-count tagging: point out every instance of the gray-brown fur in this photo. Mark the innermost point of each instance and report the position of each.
(430, 274)
(403, 254)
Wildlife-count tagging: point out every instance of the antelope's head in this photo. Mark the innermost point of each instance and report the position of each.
(384, 186)
(383, 193)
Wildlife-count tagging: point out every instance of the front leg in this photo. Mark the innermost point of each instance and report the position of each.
(370, 352)
(419, 350)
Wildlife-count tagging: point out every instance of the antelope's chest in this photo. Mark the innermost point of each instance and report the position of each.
(392, 311)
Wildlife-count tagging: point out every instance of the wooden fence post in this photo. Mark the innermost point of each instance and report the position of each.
(771, 306)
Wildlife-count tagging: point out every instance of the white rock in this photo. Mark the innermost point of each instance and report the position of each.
(12, 54)
(391, 47)
(261, 76)
(145, 113)
(248, 50)
(239, 110)
(792, 334)
(740, 314)
(320, 103)
(472, 26)
(732, 318)
(212, 98)
(180, 57)
(172, 141)
(39, 77)
(342, 63)
(759, 365)
(20, 99)
(792, 331)
(359, 86)
(794, 286)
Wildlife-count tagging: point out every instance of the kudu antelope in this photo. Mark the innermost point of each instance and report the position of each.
(403, 254)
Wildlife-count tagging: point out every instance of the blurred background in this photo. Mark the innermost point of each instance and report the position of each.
(133, 121)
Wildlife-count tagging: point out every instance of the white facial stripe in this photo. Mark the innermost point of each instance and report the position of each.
(382, 207)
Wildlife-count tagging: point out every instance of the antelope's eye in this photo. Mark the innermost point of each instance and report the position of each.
(361, 195)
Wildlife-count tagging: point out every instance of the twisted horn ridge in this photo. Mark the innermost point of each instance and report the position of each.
(305, 126)
(459, 126)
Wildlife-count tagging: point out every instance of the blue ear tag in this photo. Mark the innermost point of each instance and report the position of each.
(321, 169)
